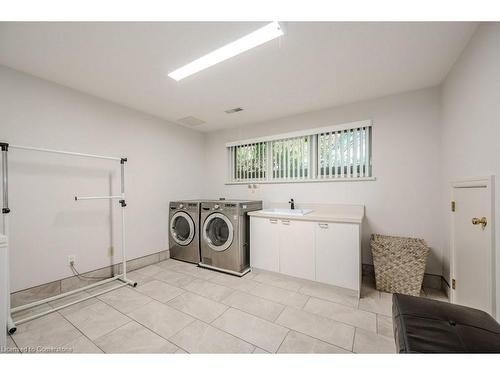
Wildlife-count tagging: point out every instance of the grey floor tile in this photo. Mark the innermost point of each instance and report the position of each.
(11, 347)
(199, 337)
(330, 293)
(139, 278)
(72, 298)
(296, 342)
(258, 350)
(104, 287)
(259, 332)
(322, 328)
(235, 282)
(30, 312)
(125, 299)
(83, 345)
(376, 304)
(50, 331)
(97, 319)
(174, 278)
(257, 306)
(188, 268)
(384, 326)
(197, 306)
(159, 290)
(277, 280)
(370, 342)
(319, 318)
(134, 338)
(161, 319)
(168, 263)
(248, 276)
(207, 289)
(283, 296)
(342, 313)
(150, 271)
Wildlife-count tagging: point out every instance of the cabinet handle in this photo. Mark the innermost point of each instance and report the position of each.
(323, 225)
(285, 222)
(273, 221)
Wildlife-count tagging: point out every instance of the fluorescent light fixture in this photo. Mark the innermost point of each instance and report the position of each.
(254, 39)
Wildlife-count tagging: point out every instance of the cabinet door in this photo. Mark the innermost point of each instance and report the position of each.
(338, 254)
(296, 244)
(264, 253)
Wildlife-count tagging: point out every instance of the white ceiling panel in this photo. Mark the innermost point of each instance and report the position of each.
(315, 65)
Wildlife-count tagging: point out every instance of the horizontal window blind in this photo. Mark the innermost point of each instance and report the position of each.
(340, 152)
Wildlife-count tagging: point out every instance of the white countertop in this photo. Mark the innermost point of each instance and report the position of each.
(330, 213)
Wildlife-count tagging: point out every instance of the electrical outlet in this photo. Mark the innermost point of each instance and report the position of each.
(111, 251)
(71, 259)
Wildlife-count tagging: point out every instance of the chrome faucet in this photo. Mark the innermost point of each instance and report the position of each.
(292, 204)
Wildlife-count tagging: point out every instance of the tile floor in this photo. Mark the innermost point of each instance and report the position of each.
(180, 308)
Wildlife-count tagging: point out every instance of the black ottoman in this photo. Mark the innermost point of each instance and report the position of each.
(426, 326)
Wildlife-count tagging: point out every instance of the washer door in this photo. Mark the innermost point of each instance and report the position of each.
(218, 232)
(182, 228)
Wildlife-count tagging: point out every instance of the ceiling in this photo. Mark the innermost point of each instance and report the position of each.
(314, 66)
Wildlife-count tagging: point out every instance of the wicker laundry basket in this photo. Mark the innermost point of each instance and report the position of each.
(399, 263)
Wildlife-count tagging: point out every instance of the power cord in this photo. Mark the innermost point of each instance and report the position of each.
(80, 276)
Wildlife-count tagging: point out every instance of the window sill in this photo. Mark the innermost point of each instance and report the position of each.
(357, 179)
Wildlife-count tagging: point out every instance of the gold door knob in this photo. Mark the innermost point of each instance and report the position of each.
(477, 221)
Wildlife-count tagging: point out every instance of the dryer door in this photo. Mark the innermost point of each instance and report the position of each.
(182, 228)
(218, 232)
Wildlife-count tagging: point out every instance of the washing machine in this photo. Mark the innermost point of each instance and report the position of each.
(225, 235)
(184, 223)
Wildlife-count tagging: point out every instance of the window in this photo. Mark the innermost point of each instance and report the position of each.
(340, 152)
(344, 154)
(290, 159)
(248, 162)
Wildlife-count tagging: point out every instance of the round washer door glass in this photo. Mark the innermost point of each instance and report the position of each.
(218, 232)
(182, 228)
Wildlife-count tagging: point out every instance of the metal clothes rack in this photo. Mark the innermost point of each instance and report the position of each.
(11, 325)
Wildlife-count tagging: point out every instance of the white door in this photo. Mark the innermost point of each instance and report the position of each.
(472, 267)
(264, 251)
(338, 254)
(296, 248)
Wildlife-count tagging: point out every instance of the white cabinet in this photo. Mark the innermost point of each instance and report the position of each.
(296, 248)
(328, 252)
(337, 249)
(264, 243)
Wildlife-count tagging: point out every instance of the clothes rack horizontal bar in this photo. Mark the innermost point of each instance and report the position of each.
(65, 152)
(68, 304)
(62, 295)
(98, 197)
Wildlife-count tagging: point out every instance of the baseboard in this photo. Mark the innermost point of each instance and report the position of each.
(430, 280)
(54, 288)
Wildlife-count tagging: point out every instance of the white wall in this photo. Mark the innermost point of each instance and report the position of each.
(47, 225)
(471, 123)
(404, 199)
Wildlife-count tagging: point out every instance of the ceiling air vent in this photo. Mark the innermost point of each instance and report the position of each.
(190, 121)
(233, 110)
